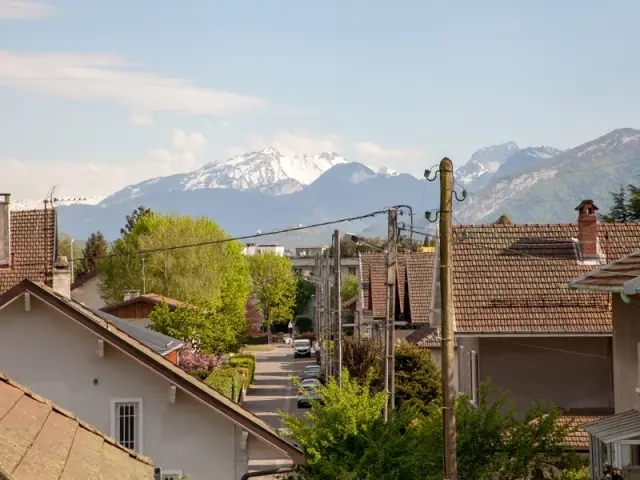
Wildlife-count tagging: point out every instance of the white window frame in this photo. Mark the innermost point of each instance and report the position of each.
(114, 403)
(177, 474)
(474, 371)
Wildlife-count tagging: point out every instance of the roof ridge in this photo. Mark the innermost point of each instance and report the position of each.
(66, 413)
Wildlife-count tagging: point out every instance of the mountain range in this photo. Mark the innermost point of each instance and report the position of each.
(267, 190)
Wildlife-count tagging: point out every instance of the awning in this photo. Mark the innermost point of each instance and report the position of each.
(617, 427)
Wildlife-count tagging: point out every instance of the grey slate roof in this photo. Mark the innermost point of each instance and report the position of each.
(158, 342)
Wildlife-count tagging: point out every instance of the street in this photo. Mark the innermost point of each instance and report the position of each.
(273, 390)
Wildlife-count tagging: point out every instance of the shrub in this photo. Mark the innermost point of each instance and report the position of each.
(247, 360)
(192, 361)
(227, 381)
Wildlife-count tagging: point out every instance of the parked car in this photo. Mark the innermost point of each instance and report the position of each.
(308, 391)
(302, 348)
(312, 371)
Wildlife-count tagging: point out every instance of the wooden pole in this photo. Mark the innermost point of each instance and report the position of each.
(446, 282)
(390, 317)
(337, 287)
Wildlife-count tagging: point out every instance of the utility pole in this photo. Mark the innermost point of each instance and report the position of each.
(448, 385)
(327, 309)
(73, 264)
(317, 300)
(389, 330)
(336, 287)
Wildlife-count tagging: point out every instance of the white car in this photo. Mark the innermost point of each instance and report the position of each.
(302, 348)
(308, 392)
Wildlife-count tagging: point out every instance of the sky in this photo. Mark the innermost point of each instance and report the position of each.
(95, 96)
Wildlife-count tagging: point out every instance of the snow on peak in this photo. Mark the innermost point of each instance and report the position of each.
(262, 169)
(485, 161)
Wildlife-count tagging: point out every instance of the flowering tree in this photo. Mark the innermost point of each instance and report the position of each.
(194, 361)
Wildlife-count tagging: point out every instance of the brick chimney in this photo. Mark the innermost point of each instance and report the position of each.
(62, 277)
(5, 230)
(588, 229)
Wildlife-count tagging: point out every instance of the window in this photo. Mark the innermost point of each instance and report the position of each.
(172, 475)
(126, 423)
(473, 375)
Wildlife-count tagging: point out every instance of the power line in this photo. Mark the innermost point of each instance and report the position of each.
(223, 240)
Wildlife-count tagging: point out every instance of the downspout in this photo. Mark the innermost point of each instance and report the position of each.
(273, 471)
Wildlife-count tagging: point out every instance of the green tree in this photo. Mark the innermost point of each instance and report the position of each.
(211, 272)
(304, 291)
(325, 431)
(350, 287)
(619, 211)
(134, 218)
(361, 357)
(95, 247)
(202, 322)
(64, 249)
(429, 241)
(492, 442)
(418, 380)
(274, 288)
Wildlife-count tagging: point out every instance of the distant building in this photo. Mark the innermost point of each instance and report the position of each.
(310, 251)
(254, 249)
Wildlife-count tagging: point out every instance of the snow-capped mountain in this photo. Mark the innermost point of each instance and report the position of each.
(545, 192)
(263, 169)
(484, 163)
(524, 159)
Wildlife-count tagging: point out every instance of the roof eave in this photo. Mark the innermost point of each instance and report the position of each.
(595, 288)
(534, 333)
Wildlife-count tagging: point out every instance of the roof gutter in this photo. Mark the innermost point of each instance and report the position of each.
(594, 288)
(272, 471)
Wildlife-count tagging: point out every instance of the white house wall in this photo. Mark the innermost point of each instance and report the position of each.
(56, 357)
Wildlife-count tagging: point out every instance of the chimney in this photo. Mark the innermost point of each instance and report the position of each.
(588, 229)
(129, 294)
(5, 230)
(62, 277)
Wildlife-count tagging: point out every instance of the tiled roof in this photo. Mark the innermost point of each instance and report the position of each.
(512, 278)
(155, 362)
(32, 247)
(80, 281)
(577, 438)
(151, 298)
(414, 275)
(614, 275)
(349, 303)
(39, 440)
(427, 337)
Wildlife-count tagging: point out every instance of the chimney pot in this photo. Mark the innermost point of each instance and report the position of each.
(5, 229)
(588, 229)
(62, 277)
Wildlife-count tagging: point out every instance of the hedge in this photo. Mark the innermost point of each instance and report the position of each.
(247, 360)
(227, 381)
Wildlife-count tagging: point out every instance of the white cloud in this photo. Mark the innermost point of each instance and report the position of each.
(371, 149)
(141, 119)
(24, 9)
(291, 143)
(32, 179)
(102, 77)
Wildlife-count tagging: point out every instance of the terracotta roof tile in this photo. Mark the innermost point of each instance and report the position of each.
(511, 278)
(577, 438)
(32, 244)
(615, 274)
(40, 440)
(151, 298)
(427, 337)
(414, 275)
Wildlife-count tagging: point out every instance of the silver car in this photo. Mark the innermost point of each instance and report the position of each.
(307, 392)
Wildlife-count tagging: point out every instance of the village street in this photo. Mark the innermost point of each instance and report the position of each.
(272, 389)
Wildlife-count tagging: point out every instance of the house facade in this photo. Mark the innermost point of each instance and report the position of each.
(88, 365)
(515, 322)
(86, 290)
(617, 438)
(255, 248)
(136, 307)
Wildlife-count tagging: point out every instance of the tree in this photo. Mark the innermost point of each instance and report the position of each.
(361, 357)
(202, 272)
(304, 291)
(429, 241)
(134, 218)
(350, 287)
(504, 220)
(95, 247)
(274, 288)
(254, 318)
(619, 211)
(202, 323)
(64, 249)
(492, 442)
(343, 414)
(418, 380)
